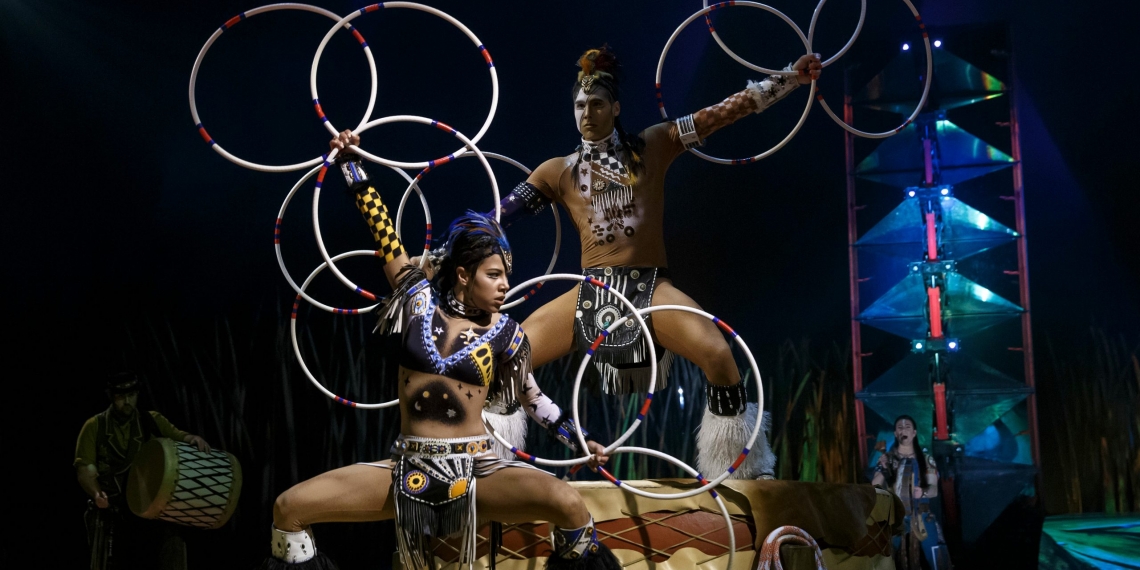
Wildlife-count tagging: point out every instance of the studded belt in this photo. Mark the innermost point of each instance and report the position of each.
(442, 447)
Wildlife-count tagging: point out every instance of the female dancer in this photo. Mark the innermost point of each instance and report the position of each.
(457, 352)
(912, 475)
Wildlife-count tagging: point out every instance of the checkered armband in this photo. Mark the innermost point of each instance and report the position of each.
(563, 431)
(376, 214)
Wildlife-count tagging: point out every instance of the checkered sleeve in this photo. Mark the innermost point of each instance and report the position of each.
(754, 99)
(376, 214)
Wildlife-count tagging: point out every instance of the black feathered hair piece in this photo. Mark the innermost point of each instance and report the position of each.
(599, 67)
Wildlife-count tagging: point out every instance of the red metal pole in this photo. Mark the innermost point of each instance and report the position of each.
(853, 267)
(934, 303)
(931, 237)
(942, 431)
(1023, 273)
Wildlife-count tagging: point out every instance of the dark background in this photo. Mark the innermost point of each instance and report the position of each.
(118, 221)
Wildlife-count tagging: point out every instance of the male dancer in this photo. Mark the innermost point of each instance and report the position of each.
(612, 187)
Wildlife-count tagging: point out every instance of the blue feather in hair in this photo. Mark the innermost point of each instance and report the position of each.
(475, 223)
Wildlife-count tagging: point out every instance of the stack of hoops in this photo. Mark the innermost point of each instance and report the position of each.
(319, 166)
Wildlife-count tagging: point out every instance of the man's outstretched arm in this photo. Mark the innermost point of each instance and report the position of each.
(690, 131)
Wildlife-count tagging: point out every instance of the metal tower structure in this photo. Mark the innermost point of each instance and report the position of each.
(917, 272)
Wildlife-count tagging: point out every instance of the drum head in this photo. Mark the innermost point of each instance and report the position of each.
(153, 477)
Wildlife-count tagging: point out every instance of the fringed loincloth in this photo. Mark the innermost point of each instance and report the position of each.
(621, 360)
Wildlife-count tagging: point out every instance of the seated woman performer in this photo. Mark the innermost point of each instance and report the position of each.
(613, 187)
(457, 352)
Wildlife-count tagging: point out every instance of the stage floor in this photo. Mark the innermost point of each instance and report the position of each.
(1077, 542)
(852, 523)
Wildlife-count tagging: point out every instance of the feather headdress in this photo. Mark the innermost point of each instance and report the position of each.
(470, 226)
(598, 67)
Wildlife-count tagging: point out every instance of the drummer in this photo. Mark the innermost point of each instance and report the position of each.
(106, 448)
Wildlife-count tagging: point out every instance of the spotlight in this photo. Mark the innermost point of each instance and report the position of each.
(911, 193)
(938, 43)
(952, 345)
(945, 191)
(917, 346)
(906, 47)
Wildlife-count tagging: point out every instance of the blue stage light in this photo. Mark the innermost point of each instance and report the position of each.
(938, 43)
(906, 47)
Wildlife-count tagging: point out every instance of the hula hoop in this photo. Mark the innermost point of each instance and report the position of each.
(516, 164)
(281, 260)
(392, 119)
(921, 101)
(732, 54)
(661, 66)
(690, 471)
(652, 371)
(850, 42)
(706, 484)
(297, 347)
(811, 34)
(231, 23)
(344, 21)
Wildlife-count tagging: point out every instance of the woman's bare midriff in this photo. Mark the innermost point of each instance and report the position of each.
(437, 406)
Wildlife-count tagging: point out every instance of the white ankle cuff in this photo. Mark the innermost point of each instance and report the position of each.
(293, 547)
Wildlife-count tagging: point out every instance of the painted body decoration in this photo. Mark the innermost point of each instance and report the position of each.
(457, 354)
(612, 186)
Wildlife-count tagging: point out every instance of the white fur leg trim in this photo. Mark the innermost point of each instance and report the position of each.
(721, 438)
(293, 547)
(512, 427)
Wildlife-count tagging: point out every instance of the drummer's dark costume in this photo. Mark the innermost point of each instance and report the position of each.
(110, 441)
(613, 190)
(434, 480)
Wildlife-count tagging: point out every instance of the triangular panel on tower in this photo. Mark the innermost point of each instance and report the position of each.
(903, 390)
(965, 230)
(898, 160)
(956, 83)
(967, 308)
(981, 394)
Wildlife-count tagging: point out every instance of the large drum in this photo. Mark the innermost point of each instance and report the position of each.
(174, 482)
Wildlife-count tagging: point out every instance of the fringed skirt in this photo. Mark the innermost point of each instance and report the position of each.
(433, 485)
(622, 360)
